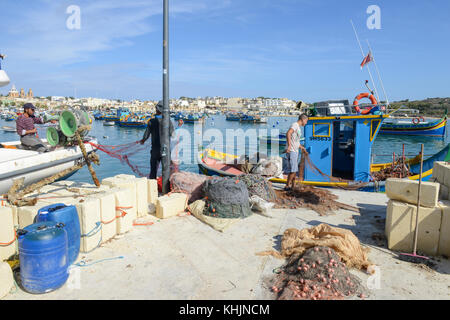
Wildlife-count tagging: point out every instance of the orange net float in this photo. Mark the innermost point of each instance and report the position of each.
(362, 96)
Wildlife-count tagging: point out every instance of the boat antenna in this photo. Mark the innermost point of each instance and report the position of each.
(165, 138)
(362, 52)
(368, 88)
(379, 75)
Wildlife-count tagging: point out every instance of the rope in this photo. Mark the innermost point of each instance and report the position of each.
(97, 228)
(84, 264)
(11, 242)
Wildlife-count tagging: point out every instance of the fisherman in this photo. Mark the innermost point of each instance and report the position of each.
(154, 128)
(292, 151)
(26, 130)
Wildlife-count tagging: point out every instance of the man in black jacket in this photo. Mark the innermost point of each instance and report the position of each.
(154, 128)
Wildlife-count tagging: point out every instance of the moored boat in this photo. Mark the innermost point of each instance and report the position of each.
(16, 163)
(418, 126)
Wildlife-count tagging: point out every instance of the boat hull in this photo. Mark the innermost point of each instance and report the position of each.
(435, 129)
(227, 171)
(34, 166)
(136, 125)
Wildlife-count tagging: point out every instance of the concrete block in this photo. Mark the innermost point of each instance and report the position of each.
(126, 211)
(114, 182)
(444, 238)
(6, 279)
(7, 233)
(141, 193)
(152, 191)
(439, 171)
(400, 227)
(26, 215)
(443, 192)
(14, 209)
(171, 205)
(407, 190)
(107, 214)
(90, 223)
(445, 169)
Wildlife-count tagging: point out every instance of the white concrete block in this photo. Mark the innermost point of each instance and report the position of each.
(6, 279)
(90, 223)
(443, 192)
(142, 197)
(439, 171)
(152, 191)
(171, 205)
(444, 238)
(400, 227)
(26, 215)
(107, 214)
(126, 211)
(114, 182)
(445, 169)
(407, 190)
(7, 233)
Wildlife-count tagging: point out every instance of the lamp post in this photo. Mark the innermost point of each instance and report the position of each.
(165, 139)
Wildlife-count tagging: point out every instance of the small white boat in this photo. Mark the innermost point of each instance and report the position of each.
(8, 129)
(109, 123)
(16, 163)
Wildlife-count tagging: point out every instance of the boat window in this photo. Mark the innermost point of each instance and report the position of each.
(321, 130)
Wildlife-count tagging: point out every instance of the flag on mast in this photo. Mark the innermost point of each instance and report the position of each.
(367, 59)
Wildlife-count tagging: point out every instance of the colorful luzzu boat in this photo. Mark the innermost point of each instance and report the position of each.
(415, 127)
(334, 147)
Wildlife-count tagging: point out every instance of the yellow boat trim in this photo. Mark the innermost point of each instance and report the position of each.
(424, 175)
(349, 117)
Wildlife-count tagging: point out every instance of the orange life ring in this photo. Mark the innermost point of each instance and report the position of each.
(361, 96)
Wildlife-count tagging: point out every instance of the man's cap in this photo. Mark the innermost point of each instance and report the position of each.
(28, 106)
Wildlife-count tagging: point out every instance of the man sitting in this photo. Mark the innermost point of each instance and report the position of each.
(26, 130)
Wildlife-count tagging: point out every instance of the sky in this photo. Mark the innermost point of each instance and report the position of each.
(297, 49)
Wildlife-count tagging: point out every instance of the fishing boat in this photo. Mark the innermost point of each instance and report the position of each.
(16, 162)
(109, 123)
(8, 129)
(99, 116)
(133, 121)
(418, 126)
(340, 146)
(233, 116)
(191, 118)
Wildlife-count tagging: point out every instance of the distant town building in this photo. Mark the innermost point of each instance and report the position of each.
(13, 93)
(30, 94)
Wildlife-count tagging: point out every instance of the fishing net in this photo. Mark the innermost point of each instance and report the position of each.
(319, 200)
(272, 167)
(226, 198)
(189, 183)
(128, 154)
(258, 185)
(343, 241)
(317, 274)
(197, 209)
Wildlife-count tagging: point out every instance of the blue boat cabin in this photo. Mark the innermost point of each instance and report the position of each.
(341, 146)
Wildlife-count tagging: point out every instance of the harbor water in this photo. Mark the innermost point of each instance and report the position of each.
(383, 149)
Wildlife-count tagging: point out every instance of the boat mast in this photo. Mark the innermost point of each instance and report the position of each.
(165, 139)
(379, 75)
(363, 55)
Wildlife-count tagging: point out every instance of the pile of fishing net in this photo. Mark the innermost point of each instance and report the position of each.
(343, 241)
(271, 167)
(319, 200)
(258, 186)
(226, 202)
(317, 274)
(190, 183)
(226, 198)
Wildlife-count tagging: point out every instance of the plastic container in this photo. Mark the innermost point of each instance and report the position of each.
(68, 215)
(43, 255)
